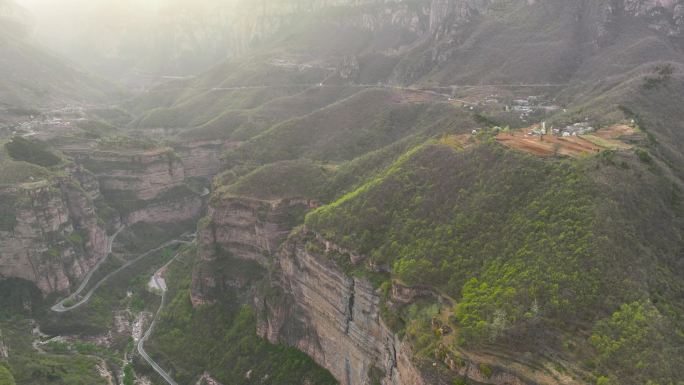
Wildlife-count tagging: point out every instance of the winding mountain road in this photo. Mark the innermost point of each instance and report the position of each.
(141, 344)
(60, 307)
(361, 85)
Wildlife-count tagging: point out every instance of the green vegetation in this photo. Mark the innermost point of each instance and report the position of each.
(579, 261)
(129, 376)
(106, 214)
(110, 117)
(643, 155)
(366, 121)
(24, 366)
(287, 179)
(95, 128)
(12, 172)
(437, 216)
(126, 201)
(31, 151)
(6, 377)
(522, 244)
(18, 296)
(638, 344)
(235, 123)
(142, 236)
(8, 216)
(221, 339)
(125, 143)
(662, 77)
(97, 315)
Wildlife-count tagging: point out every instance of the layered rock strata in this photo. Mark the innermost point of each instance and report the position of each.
(55, 237)
(313, 304)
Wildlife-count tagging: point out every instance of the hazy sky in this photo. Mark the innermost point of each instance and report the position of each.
(34, 5)
(111, 36)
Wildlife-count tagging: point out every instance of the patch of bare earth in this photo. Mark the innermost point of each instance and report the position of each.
(572, 146)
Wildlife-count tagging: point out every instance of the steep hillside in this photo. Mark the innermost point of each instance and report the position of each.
(51, 235)
(588, 56)
(364, 122)
(461, 260)
(470, 257)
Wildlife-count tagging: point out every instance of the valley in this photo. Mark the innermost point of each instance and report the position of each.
(430, 192)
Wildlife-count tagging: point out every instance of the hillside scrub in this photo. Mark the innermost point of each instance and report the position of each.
(23, 366)
(31, 151)
(640, 343)
(519, 242)
(367, 121)
(287, 179)
(6, 377)
(477, 225)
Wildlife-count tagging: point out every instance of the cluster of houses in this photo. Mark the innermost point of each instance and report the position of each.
(574, 130)
(33, 126)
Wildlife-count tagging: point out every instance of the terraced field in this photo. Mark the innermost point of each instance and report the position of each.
(609, 138)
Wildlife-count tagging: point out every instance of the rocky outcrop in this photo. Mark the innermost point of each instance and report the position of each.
(336, 320)
(203, 158)
(86, 180)
(176, 210)
(250, 229)
(333, 318)
(4, 350)
(446, 15)
(55, 237)
(141, 174)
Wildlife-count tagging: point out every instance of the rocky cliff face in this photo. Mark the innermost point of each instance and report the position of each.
(335, 319)
(203, 158)
(249, 229)
(437, 18)
(142, 174)
(55, 238)
(176, 210)
(53, 235)
(312, 304)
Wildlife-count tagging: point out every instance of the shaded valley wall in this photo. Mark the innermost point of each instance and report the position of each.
(249, 229)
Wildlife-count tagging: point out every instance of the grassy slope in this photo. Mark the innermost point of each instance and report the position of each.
(241, 124)
(217, 92)
(286, 179)
(364, 122)
(13, 172)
